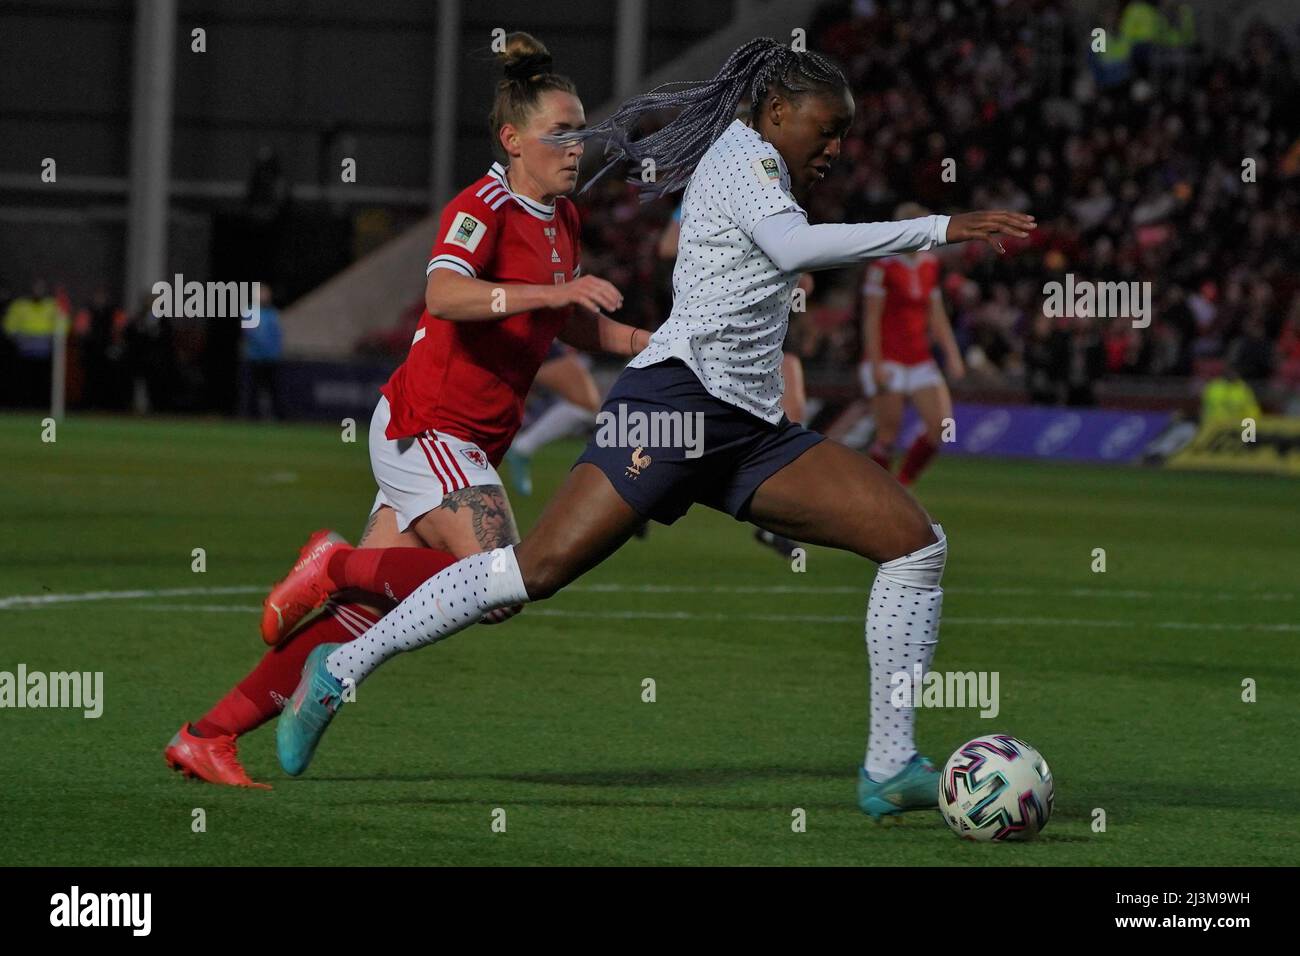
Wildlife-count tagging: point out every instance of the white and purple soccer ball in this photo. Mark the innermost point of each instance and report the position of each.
(996, 788)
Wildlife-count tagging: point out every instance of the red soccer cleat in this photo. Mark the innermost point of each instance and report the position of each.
(213, 759)
(303, 589)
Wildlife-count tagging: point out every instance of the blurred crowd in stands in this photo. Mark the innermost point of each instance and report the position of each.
(1132, 164)
(137, 361)
(1159, 159)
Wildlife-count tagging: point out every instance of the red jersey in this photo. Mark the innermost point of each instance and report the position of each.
(909, 284)
(469, 379)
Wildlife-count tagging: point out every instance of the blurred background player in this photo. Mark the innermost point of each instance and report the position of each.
(450, 411)
(902, 310)
(263, 351)
(567, 374)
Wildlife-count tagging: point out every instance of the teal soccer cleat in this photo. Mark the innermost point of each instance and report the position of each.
(915, 787)
(521, 472)
(309, 711)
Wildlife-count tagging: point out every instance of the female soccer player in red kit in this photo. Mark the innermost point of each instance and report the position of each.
(503, 281)
(902, 307)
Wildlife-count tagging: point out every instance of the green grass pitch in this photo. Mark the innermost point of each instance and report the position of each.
(1129, 681)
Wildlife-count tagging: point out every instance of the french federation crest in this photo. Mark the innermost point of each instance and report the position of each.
(640, 462)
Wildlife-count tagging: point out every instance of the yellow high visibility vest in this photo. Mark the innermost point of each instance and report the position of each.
(32, 318)
(1228, 401)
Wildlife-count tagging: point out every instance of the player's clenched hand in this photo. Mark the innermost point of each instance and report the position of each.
(989, 225)
(590, 292)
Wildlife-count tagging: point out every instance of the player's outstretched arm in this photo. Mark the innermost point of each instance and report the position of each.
(459, 298)
(796, 246)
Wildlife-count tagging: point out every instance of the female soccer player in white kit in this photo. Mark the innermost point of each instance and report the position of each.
(744, 241)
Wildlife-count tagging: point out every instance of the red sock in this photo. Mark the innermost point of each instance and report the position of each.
(918, 456)
(881, 456)
(394, 572)
(259, 696)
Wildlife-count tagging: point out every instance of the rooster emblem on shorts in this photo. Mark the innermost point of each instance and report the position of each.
(639, 463)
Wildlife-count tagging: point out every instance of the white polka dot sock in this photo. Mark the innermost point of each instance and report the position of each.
(450, 601)
(902, 630)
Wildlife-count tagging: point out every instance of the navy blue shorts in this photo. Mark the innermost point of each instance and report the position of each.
(718, 458)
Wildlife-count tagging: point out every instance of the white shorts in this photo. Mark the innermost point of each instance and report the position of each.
(415, 474)
(905, 379)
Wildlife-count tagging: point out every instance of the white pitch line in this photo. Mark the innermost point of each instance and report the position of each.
(858, 618)
(36, 600)
(203, 608)
(958, 589)
(23, 600)
(807, 618)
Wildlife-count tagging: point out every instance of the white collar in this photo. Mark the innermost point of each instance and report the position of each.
(540, 210)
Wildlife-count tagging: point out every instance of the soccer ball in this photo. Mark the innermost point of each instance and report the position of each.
(996, 788)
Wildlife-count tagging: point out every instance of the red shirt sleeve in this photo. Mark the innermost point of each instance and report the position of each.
(467, 237)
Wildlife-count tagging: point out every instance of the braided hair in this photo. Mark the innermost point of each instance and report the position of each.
(706, 108)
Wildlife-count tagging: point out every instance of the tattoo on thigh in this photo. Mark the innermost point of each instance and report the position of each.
(370, 526)
(490, 514)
